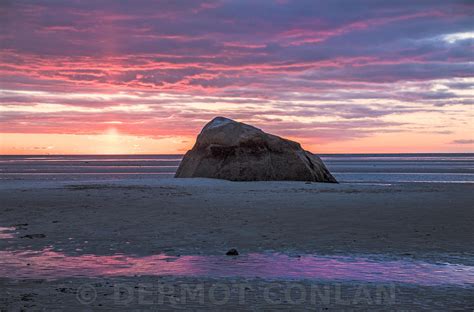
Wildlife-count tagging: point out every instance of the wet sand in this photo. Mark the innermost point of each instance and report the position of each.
(425, 222)
(169, 294)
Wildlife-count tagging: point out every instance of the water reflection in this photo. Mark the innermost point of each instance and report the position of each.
(49, 264)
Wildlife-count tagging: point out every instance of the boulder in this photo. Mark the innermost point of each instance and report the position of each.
(230, 150)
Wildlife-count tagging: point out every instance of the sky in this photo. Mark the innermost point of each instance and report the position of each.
(143, 77)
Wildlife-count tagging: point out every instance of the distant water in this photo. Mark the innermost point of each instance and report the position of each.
(353, 168)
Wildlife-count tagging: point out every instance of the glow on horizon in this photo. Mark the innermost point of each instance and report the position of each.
(70, 144)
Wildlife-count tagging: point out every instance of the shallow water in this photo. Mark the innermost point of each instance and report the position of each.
(49, 264)
(368, 168)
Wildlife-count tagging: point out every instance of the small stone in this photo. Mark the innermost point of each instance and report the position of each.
(232, 252)
(31, 236)
(20, 224)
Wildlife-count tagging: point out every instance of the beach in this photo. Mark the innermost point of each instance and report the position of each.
(65, 219)
(236, 156)
(211, 216)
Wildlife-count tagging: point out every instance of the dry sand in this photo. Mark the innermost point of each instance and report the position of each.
(429, 222)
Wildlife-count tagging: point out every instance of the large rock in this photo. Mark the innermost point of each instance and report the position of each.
(230, 150)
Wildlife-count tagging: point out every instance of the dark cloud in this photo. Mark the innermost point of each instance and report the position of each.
(463, 141)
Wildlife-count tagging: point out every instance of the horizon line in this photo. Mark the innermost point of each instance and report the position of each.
(171, 154)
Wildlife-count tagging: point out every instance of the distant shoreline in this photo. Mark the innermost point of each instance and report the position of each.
(319, 154)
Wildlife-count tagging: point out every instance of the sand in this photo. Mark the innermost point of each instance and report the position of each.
(426, 222)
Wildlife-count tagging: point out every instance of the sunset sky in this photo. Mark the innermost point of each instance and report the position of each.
(100, 77)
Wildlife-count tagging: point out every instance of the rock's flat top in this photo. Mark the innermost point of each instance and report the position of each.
(230, 150)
